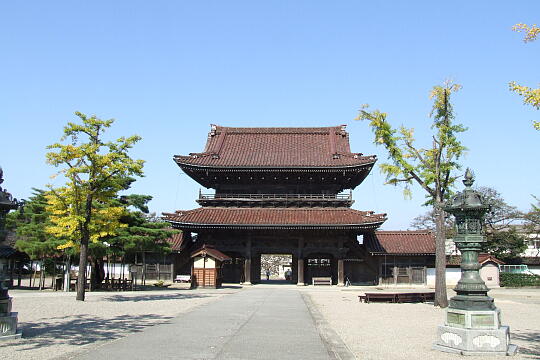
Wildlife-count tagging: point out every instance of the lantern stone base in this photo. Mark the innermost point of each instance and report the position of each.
(5, 306)
(8, 327)
(474, 332)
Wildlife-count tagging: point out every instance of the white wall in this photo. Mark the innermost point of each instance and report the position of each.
(199, 263)
(452, 276)
(490, 274)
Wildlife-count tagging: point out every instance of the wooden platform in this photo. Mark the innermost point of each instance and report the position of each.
(409, 297)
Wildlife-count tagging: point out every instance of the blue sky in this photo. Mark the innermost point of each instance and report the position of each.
(167, 69)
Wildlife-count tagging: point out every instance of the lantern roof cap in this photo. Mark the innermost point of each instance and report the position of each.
(468, 199)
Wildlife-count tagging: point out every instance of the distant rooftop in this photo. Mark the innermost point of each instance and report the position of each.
(420, 242)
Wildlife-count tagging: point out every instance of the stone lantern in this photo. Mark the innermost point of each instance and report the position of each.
(8, 319)
(473, 323)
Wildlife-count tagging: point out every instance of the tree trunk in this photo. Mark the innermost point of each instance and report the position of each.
(67, 275)
(53, 282)
(33, 276)
(41, 275)
(441, 298)
(83, 261)
(19, 275)
(144, 268)
(98, 273)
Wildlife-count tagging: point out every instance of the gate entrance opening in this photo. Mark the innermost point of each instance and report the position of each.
(276, 269)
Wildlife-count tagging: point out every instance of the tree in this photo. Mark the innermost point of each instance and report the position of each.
(431, 168)
(502, 215)
(30, 223)
(502, 239)
(95, 171)
(530, 96)
(532, 223)
(505, 244)
(142, 233)
(428, 221)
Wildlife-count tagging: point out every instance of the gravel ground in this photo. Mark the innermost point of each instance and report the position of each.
(406, 331)
(55, 325)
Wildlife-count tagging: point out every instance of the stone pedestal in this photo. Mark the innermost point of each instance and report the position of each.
(8, 321)
(5, 306)
(474, 332)
(8, 327)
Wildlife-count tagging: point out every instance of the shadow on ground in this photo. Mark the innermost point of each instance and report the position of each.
(529, 343)
(150, 297)
(81, 330)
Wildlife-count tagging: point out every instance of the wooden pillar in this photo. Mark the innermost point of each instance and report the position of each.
(340, 273)
(247, 263)
(301, 272)
(340, 265)
(19, 274)
(294, 269)
(300, 263)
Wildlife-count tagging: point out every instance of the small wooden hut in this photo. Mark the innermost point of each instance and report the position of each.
(206, 267)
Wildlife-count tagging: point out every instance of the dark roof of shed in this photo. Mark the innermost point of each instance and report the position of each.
(276, 147)
(210, 250)
(482, 259)
(419, 242)
(7, 246)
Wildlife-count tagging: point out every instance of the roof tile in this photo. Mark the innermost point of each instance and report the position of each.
(402, 242)
(275, 216)
(276, 147)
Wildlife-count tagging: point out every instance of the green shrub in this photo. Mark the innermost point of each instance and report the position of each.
(518, 280)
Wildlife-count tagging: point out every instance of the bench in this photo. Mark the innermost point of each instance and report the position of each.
(409, 297)
(405, 297)
(182, 279)
(383, 297)
(428, 296)
(321, 281)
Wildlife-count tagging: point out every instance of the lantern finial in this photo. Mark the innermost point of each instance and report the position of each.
(469, 178)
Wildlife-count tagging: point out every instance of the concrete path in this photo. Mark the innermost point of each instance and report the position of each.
(255, 323)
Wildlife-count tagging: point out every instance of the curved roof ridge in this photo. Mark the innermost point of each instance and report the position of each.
(278, 129)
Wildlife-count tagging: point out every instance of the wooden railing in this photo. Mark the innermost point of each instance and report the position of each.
(276, 196)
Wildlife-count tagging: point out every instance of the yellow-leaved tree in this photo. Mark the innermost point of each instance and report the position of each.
(433, 168)
(531, 96)
(84, 209)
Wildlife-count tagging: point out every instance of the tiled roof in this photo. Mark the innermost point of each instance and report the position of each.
(276, 217)
(402, 242)
(482, 259)
(276, 147)
(7, 246)
(176, 241)
(7, 251)
(209, 250)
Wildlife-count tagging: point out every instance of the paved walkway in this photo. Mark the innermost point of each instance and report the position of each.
(255, 323)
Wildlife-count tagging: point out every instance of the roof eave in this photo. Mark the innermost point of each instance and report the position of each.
(266, 167)
(372, 225)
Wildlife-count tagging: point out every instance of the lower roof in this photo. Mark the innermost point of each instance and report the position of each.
(275, 218)
(176, 241)
(420, 242)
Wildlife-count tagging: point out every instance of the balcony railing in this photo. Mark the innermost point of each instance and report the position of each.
(281, 197)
